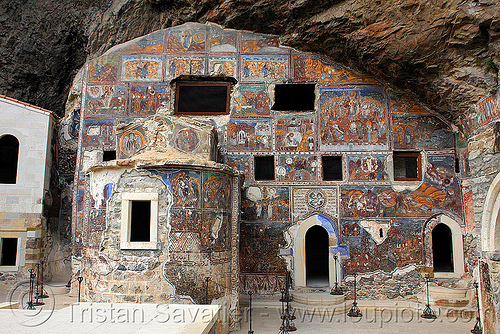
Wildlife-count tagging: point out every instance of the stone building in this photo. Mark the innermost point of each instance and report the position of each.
(341, 175)
(25, 146)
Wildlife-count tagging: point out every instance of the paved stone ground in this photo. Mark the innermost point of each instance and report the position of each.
(267, 321)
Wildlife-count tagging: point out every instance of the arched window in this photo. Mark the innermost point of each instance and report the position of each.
(9, 151)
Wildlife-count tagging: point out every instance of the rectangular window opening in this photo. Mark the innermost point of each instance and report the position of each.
(294, 97)
(407, 166)
(332, 168)
(109, 155)
(202, 98)
(140, 221)
(9, 252)
(264, 168)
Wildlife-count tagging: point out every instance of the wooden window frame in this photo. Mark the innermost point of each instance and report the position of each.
(405, 154)
(202, 84)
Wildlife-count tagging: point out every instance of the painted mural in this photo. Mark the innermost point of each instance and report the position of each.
(296, 168)
(185, 220)
(401, 104)
(482, 113)
(103, 69)
(222, 41)
(251, 43)
(98, 133)
(184, 65)
(215, 231)
(130, 142)
(185, 185)
(240, 162)
(222, 65)
(187, 140)
(249, 135)
(353, 115)
(187, 38)
(427, 132)
(146, 99)
(264, 68)
(216, 188)
(142, 68)
(258, 246)
(367, 168)
(401, 246)
(295, 133)
(265, 203)
(106, 100)
(250, 101)
(313, 68)
(152, 43)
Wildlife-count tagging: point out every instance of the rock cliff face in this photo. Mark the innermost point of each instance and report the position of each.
(444, 53)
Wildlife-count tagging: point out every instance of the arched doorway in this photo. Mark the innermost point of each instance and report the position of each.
(9, 150)
(490, 230)
(442, 248)
(317, 256)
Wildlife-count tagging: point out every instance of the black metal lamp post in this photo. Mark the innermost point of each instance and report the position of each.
(43, 293)
(477, 327)
(355, 312)
(250, 293)
(32, 287)
(287, 318)
(80, 279)
(38, 289)
(336, 290)
(428, 312)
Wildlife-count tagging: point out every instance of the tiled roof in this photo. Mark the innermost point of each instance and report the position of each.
(27, 105)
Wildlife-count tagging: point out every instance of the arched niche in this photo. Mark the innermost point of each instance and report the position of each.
(490, 225)
(456, 245)
(299, 249)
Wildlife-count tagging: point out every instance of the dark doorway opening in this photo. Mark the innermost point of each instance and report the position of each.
(9, 252)
(317, 256)
(9, 150)
(442, 249)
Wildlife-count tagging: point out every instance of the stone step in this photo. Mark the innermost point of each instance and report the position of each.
(439, 292)
(57, 288)
(319, 299)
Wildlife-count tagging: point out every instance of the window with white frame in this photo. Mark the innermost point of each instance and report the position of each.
(139, 226)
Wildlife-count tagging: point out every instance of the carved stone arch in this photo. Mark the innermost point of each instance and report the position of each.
(490, 221)
(456, 244)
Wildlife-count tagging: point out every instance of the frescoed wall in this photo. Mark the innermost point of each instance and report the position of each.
(355, 118)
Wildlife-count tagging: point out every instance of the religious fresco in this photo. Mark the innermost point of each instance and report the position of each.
(427, 132)
(223, 41)
(265, 203)
(184, 65)
(353, 115)
(142, 68)
(185, 220)
(401, 104)
(367, 168)
(215, 231)
(98, 133)
(296, 168)
(222, 65)
(188, 38)
(152, 43)
(240, 162)
(401, 246)
(250, 101)
(259, 245)
(187, 140)
(307, 201)
(216, 190)
(103, 69)
(146, 99)
(251, 43)
(295, 132)
(249, 135)
(130, 141)
(313, 68)
(264, 68)
(482, 113)
(184, 185)
(106, 99)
